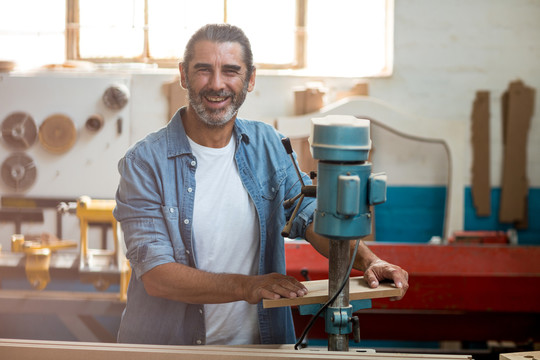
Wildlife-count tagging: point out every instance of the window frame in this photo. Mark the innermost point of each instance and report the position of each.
(73, 39)
(300, 55)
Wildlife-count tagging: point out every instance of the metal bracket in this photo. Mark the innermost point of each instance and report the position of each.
(337, 320)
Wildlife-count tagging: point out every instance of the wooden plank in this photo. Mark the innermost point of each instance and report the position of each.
(318, 293)
(528, 355)
(480, 141)
(60, 350)
(518, 109)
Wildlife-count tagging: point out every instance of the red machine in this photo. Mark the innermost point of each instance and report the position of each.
(468, 292)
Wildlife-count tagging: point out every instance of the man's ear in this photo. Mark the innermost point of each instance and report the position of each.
(183, 81)
(251, 85)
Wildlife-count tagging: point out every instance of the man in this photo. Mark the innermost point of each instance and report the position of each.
(200, 204)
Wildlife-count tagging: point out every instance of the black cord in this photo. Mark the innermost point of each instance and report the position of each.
(316, 316)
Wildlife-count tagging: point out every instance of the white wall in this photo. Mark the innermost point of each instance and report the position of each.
(447, 50)
(444, 52)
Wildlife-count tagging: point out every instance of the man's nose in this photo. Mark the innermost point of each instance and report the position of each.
(216, 81)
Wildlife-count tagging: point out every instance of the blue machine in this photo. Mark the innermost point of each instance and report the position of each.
(346, 189)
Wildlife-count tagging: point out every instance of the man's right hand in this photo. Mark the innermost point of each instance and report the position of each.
(272, 286)
(179, 282)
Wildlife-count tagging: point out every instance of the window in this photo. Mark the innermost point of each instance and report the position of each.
(315, 37)
(29, 38)
(157, 30)
(349, 36)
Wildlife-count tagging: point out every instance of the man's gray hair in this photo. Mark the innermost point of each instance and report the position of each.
(220, 33)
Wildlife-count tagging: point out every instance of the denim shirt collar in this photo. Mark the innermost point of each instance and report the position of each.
(177, 142)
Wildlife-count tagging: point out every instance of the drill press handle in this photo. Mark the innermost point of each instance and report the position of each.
(306, 190)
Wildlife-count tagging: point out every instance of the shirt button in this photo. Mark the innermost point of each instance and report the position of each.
(187, 252)
(186, 221)
(199, 342)
(193, 163)
(200, 311)
(171, 210)
(189, 190)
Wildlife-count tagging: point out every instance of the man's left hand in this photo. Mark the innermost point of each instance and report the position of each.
(380, 270)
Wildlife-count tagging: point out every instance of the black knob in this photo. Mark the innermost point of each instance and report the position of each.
(287, 145)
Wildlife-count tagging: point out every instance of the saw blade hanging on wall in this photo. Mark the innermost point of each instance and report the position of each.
(19, 171)
(19, 130)
(57, 133)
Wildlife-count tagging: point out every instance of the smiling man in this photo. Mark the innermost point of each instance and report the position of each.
(200, 204)
(217, 87)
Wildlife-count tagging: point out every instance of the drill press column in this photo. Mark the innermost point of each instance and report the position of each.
(338, 262)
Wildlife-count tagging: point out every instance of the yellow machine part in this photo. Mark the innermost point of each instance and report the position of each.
(99, 210)
(38, 252)
(95, 210)
(37, 268)
(38, 257)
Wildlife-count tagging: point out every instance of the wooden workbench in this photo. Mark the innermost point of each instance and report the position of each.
(77, 311)
(61, 350)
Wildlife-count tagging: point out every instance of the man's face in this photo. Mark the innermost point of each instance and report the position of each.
(217, 81)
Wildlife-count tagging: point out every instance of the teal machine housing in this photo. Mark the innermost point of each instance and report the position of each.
(345, 190)
(346, 187)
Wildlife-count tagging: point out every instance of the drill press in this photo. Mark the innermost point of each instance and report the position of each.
(346, 188)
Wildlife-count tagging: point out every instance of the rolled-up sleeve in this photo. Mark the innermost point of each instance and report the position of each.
(303, 218)
(139, 211)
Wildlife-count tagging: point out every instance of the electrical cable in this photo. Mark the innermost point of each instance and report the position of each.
(331, 300)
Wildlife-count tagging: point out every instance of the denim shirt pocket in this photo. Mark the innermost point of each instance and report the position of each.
(171, 215)
(270, 187)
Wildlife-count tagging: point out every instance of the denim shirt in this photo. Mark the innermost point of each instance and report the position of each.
(154, 205)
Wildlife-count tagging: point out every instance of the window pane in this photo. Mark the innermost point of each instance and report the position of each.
(346, 37)
(171, 23)
(270, 27)
(32, 38)
(111, 28)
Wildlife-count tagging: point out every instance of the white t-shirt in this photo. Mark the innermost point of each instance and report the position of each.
(226, 233)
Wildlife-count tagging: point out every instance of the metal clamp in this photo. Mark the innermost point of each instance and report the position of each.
(337, 320)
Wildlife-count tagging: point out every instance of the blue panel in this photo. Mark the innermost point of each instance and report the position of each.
(410, 214)
(416, 213)
(529, 236)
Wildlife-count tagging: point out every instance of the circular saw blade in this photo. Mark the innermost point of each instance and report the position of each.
(57, 133)
(19, 130)
(19, 171)
(116, 96)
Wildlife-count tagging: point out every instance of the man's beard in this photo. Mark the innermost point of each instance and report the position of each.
(216, 117)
